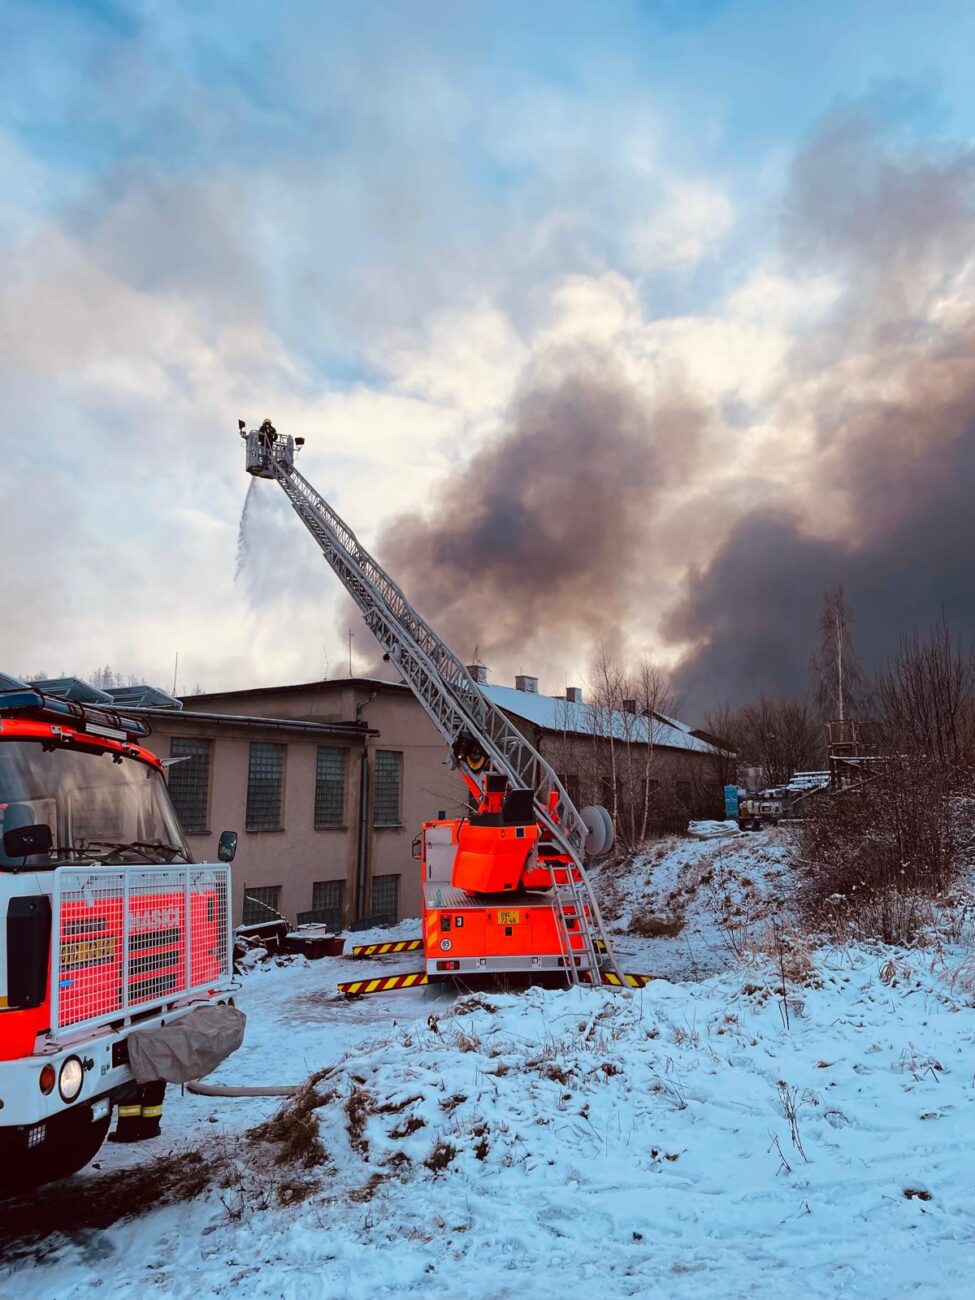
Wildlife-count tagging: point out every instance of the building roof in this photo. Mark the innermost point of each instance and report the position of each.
(191, 701)
(180, 718)
(553, 713)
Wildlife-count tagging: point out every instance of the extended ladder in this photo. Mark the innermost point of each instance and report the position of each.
(440, 681)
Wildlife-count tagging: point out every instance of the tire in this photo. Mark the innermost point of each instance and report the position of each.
(73, 1140)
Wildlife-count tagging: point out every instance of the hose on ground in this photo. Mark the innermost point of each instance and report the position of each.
(223, 1090)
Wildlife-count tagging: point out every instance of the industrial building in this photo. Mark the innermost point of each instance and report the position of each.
(329, 782)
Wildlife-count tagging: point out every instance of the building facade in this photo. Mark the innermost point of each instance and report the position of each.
(326, 784)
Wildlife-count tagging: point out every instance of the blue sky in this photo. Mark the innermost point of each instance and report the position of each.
(378, 221)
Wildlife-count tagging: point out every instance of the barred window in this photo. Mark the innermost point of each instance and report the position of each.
(265, 778)
(189, 781)
(385, 899)
(330, 786)
(389, 772)
(327, 899)
(261, 904)
(571, 782)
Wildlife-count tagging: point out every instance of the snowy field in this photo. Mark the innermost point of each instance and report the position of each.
(762, 1122)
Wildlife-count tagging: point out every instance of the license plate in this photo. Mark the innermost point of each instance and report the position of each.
(87, 951)
(508, 918)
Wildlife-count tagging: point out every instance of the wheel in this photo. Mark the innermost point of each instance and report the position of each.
(76, 1145)
(72, 1141)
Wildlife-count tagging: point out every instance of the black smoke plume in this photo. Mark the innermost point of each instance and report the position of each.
(550, 539)
(888, 386)
(535, 546)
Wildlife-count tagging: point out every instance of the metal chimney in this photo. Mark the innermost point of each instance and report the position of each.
(479, 673)
(573, 694)
(527, 684)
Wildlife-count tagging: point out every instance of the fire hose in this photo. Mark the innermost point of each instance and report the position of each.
(223, 1090)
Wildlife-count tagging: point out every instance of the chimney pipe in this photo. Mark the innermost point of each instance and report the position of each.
(527, 684)
(479, 673)
(573, 694)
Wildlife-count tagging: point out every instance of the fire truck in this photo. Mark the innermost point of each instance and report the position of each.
(108, 927)
(505, 889)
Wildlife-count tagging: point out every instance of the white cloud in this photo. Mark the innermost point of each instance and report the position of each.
(690, 223)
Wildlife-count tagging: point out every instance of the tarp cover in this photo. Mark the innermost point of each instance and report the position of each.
(188, 1048)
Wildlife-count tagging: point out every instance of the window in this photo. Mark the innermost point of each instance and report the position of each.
(571, 782)
(389, 771)
(385, 899)
(327, 899)
(330, 787)
(261, 904)
(264, 781)
(189, 781)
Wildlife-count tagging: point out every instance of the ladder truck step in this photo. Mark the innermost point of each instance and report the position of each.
(357, 988)
(381, 949)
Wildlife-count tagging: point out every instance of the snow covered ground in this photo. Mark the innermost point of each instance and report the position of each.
(698, 901)
(718, 1134)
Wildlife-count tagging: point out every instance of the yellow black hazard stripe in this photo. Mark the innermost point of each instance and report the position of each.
(628, 980)
(356, 988)
(380, 949)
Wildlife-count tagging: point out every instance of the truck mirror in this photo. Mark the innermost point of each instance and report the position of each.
(26, 841)
(227, 846)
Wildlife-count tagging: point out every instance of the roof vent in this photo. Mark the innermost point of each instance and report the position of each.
(479, 673)
(631, 706)
(573, 694)
(527, 684)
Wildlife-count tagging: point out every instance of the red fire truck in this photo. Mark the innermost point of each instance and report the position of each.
(106, 926)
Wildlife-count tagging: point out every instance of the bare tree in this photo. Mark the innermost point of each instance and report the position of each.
(779, 736)
(720, 730)
(899, 833)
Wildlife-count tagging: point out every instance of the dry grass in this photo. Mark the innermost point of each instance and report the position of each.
(294, 1128)
(98, 1201)
(650, 926)
(441, 1156)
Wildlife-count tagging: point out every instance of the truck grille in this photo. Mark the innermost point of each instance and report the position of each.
(127, 938)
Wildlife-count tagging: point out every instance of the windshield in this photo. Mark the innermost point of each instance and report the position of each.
(96, 808)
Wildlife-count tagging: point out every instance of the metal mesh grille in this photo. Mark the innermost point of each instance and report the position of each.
(189, 781)
(389, 766)
(385, 899)
(130, 938)
(265, 778)
(330, 786)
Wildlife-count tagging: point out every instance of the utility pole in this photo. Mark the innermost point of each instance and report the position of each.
(175, 671)
(839, 660)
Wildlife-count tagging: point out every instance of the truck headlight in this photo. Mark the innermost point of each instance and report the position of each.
(71, 1078)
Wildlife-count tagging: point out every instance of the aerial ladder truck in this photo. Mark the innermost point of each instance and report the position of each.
(505, 889)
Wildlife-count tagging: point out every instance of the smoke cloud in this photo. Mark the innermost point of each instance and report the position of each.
(886, 390)
(537, 543)
(702, 521)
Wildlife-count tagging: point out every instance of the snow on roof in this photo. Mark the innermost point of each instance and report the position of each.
(555, 714)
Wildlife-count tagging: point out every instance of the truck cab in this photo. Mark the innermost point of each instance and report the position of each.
(106, 925)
